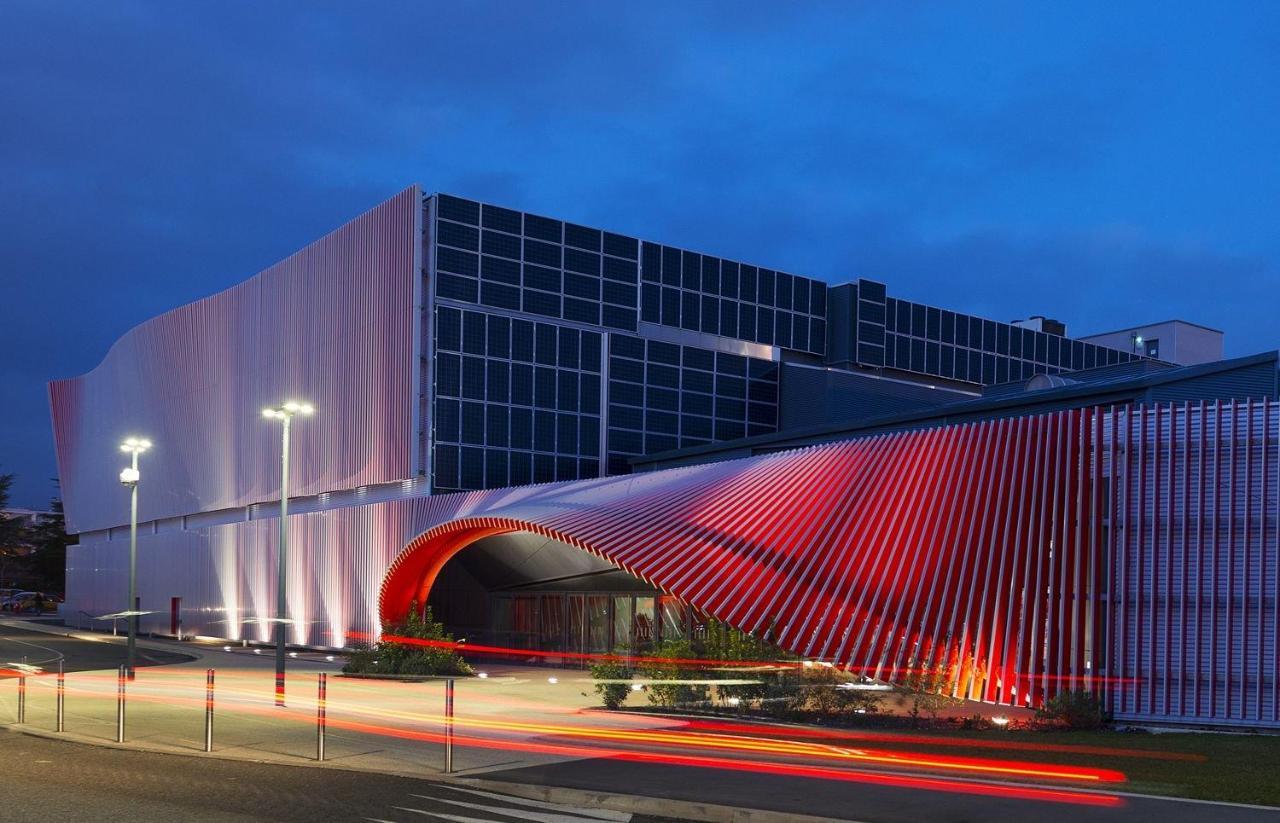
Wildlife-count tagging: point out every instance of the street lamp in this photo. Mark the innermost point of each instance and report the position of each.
(129, 477)
(284, 413)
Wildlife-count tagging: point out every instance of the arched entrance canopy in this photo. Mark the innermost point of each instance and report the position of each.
(967, 547)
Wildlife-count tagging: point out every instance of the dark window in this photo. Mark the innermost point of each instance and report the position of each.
(691, 278)
(918, 324)
(988, 336)
(500, 296)
(447, 419)
(457, 288)
(582, 311)
(667, 376)
(544, 431)
(448, 374)
(624, 271)
(728, 278)
(711, 275)
(626, 370)
(473, 423)
(618, 318)
(543, 254)
(786, 290)
(1002, 339)
(521, 428)
(764, 287)
(667, 353)
(521, 467)
(651, 303)
(567, 391)
(782, 328)
(473, 378)
(589, 436)
(670, 266)
(626, 346)
(582, 237)
(589, 393)
(544, 468)
(948, 327)
(495, 469)
(472, 469)
(499, 377)
(567, 433)
(747, 321)
(689, 310)
(651, 263)
(458, 262)
(502, 245)
(496, 424)
(710, 315)
(620, 294)
(748, 275)
(697, 381)
(542, 228)
(590, 349)
(728, 318)
(582, 262)
(662, 422)
(499, 270)
(537, 277)
(620, 246)
(664, 399)
(696, 358)
(730, 430)
(521, 384)
(456, 234)
(671, 306)
(455, 208)
(449, 328)
(800, 332)
(446, 467)
(569, 348)
(495, 217)
(764, 325)
(544, 388)
(818, 303)
(693, 426)
(581, 285)
(473, 332)
(522, 340)
(536, 302)
(697, 403)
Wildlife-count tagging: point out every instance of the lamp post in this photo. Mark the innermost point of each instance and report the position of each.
(129, 477)
(284, 413)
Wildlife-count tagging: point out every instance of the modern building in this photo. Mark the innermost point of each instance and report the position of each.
(1175, 341)
(487, 379)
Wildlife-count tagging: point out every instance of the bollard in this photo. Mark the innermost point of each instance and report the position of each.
(22, 697)
(60, 716)
(321, 689)
(208, 710)
(120, 681)
(448, 726)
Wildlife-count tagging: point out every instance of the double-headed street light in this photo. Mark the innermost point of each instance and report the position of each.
(284, 413)
(129, 477)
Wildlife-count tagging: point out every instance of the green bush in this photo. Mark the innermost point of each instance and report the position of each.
(612, 695)
(391, 657)
(1076, 709)
(673, 694)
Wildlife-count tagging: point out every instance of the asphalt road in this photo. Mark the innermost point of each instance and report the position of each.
(43, 649)
(40, 778)
(58, 780)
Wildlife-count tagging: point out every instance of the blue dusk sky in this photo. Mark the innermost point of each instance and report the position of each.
(1103, 163)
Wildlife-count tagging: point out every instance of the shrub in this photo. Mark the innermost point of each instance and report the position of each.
(612, 695)
(673, 693)
(1076, 709)
(393, 657)
(926, 689)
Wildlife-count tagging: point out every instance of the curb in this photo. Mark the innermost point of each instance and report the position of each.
(635, 804)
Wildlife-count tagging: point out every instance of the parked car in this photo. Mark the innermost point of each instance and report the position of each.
(26, 602)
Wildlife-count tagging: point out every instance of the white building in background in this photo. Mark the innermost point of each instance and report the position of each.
(1174, 341)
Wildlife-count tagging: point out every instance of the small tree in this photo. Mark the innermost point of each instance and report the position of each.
(672, 693)
(1075, 709)
(926, 689)
(436, 656)
(612, 694)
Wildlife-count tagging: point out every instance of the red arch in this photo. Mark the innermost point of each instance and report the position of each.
(415, 569)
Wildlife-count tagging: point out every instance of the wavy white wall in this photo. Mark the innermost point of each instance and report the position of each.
(332, 324)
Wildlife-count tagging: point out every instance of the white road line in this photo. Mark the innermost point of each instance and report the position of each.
(525, 814)
(443, 816)
(598, 814)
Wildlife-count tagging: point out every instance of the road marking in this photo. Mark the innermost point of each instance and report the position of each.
(598, 814)
(566, 814)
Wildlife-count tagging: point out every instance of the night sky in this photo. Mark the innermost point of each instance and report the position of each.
(1106, 164)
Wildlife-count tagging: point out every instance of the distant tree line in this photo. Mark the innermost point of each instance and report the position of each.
(33, 554)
